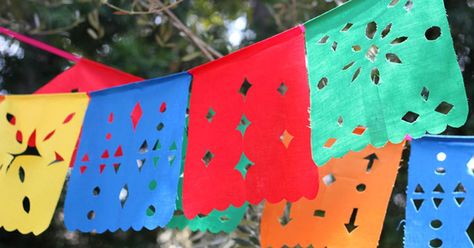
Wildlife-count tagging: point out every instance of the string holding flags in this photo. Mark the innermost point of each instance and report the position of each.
(440, 183)
(128, 163)
(248, 128)
(349, 209)
(35, 153)
(379, 70)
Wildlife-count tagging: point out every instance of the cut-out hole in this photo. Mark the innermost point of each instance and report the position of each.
(441, 156)
(96, 191)
(433, 33)
(143, 148)
(410, 117)
(438, 189)
(173, 147)
(372, 53)
(202, 215)
(11, 119)
(285, 217)
(21, 174)
(393, 3)
(319, 213)
(69, 118)
(118, 152)
(152, 185)
(459, 200)
(178, 212)
(435, 243)
(440, 171)
(163, 107)
(460, 188)
(348, 66)
(323, 40)
(419, 189)
(171, 159)
(286, 138)
(329, 143)
(82, 169)
(49, 135)
(108, 136)
(371, 30)
(361, 187)
(399, 40)
(91, 215)
(393, 58)
(157, 145)
(356, 74)
(244, 123)
(375, 76)
(75, 90)
(19, 136)
(243, 165)
(340, 121)
(417, 203)
(347, 27)
(444, 108)
(282, 89)
(116, 167)
(359, 130)
(136, 115)
(386, 30)
(437, 202)
(210, 114)
(409, 5)
(111, 117)
(123, 195)
(425, 93)
(334, 46)
(244, 88)
(329, 179)
(436, 224)
(322, 83)
(224, 218)
(140, 163)
(206, 159)
(160, 126)
(356, 48)
(150, 211)
(26, 204)
(105, 154)
(101, 168)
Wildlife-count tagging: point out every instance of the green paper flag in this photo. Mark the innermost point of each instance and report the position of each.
(379, 70)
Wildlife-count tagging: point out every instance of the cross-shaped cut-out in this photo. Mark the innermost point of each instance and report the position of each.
(244, 88)
(136, 115)
(286, 138)
(243, 124)
(243, 165)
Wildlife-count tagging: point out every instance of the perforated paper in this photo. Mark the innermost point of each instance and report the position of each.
(440, 180)
(379, 70)
(128, 164)
(86, 76)
(38, 137)
(249, 136)
(349, 209)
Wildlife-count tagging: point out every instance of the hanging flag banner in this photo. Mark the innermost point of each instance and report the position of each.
(214, 222)
(379, 70)
(440, 179)
(38, 137)
(349, 209)
(249, 136)
(129, 159)
(86, 76)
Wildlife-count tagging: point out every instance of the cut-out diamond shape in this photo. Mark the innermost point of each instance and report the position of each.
(244, 88)
(425, 93)
(206, 159)
(123, 195)
(136, 115)
(330, 142)
(282, 89)
(410, 117)
(210, 114)
(444, 108)
(243, 124)
(243, 165)
(286, 138)
(359, 130)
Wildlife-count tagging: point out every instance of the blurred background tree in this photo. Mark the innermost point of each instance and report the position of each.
(152, 38)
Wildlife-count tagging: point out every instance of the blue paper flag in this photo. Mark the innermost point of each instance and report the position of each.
(439, 209)
(128, 164)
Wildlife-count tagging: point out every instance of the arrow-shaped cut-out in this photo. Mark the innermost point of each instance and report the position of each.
(351, 225)
(372, 157)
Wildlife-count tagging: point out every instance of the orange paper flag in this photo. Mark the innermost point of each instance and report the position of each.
(349, 209)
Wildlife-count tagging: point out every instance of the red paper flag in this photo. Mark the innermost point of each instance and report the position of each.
(249, 135)
(86, 76)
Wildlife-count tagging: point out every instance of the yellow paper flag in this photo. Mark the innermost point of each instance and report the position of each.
(39, 133)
